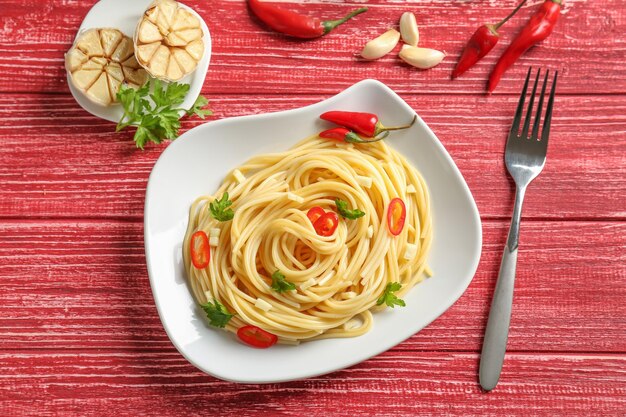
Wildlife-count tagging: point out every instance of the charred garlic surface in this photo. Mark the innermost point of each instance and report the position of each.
(100, 61)
(168, 41)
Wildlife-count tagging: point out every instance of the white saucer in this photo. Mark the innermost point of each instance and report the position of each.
(124, 15)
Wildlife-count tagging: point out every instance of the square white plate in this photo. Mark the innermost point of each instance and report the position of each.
(196, 163)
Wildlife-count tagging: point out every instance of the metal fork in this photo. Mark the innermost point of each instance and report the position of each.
(525, 157)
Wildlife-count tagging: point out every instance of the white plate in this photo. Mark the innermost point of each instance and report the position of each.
(124, 15)
(196, 163)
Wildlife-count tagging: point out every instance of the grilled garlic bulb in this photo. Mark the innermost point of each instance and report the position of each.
(100, 61)
(168, 41)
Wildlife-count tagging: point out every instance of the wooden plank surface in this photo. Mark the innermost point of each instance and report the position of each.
(83, 284)
(79, 332)
(80, 167)
(394, 383)
(245, 55)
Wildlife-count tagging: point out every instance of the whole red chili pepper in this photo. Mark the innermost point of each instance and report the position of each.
(538, 28)
(366, 124)
(481, 42)
(346, 135)
(294, 24)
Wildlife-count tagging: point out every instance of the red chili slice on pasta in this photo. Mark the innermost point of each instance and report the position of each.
(327, 224)
(315, 213)
(200, 251)
(256, 337)
(396, 215)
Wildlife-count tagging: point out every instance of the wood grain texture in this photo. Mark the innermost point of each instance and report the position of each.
(396, 383)
(83, 285)
(79, 332)
(57, 160)
(586, 45)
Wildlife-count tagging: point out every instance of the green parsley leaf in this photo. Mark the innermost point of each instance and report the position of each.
(342, 207)
(172, 95)
(219, 209)
(389, 298)
(280, 284)
(217, 313)
(156, 114)
(197, 108)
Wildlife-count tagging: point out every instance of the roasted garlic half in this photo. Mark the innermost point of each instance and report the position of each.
(168, 41)
(100, 61)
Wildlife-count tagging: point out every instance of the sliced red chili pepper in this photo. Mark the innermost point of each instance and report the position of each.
(327, 224)
(396, 215)
(200, 250)
(256, 337)
(315, 213)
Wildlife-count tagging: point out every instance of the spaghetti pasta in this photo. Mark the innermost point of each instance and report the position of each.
(337, 279)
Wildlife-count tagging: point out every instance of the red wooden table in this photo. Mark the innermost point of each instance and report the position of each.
(79, 332)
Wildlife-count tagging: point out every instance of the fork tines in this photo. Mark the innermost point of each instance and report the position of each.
(520, 107)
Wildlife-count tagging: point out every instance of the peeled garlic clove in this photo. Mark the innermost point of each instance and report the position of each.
(173, 70)
(382, 45)
(169, 40)
(75, 58)
(85, 78)
(160, 60)
(89, 43)
(422, 58)
(145, 52)
(123, 51)
(149, 32)
(408, 29)
(195, 49)
(115, 71)
(184, 20)
(100, 61)
(184, 60)
(99, 91)
(110, 39)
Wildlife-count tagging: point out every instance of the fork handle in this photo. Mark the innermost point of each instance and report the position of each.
(497, 332)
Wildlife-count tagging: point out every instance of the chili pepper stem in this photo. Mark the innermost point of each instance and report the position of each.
(332, 24)
(503, 21)
(377, 138)
(381, 128)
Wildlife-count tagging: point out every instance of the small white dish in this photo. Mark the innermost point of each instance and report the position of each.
(124, 15)
(196, 163)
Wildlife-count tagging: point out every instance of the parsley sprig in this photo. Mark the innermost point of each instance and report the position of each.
(342, 207)
(217, 313)
(280, 284)
(389, 298)
(159, 118)
(220, 210)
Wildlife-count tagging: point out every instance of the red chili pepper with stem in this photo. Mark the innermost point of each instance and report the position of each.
(346, 135)
(294, 24)
(538, 28)
(367, 124)
(481, 42)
